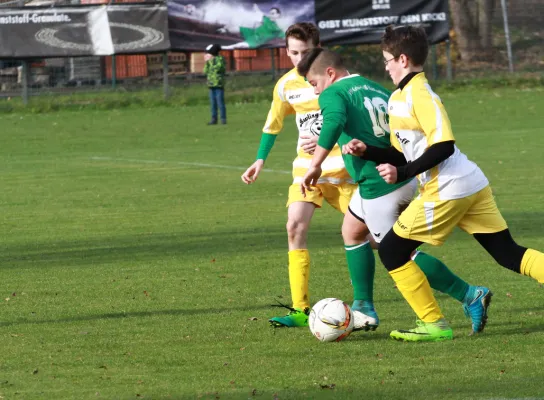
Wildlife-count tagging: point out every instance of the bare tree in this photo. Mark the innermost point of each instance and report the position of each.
(472, 24)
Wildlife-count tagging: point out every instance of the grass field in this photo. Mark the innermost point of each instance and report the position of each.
(135, 264)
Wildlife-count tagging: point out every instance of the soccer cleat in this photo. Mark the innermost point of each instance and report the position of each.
(364, 322)
(365, 317)
(476, 305)
(425, 332)
(296, 318)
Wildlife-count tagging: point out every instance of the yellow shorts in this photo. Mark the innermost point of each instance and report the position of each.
(432, 221)
(337, 196)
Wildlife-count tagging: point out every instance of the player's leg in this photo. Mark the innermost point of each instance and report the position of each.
(475, 299)
(489, 228)
(502, 247)
(221, 105)
(411, 282)
(362, 267)
(361, 264)
(213, 107)
(299, 215)
(359, 254)
(382, 213)
(422, 221)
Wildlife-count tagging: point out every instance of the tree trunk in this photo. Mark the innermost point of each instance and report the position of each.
(485, 16)
(465, 21)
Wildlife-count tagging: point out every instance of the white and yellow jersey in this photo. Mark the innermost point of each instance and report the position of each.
(293, 95)
(418, 120)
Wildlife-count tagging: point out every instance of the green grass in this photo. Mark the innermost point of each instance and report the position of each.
(240, 89)
(131, 270)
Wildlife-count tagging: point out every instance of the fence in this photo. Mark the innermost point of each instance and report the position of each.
(486, 52)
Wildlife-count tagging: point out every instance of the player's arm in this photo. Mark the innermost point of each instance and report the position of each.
(279, 109)
(380, 155)
(333, 110)
(435, 124)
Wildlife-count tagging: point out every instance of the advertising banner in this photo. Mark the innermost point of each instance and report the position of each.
(234, 24)
(38, 32)
(363, 22)
(243, 24)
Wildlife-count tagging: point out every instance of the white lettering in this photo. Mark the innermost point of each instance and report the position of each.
(34, 18)
(433, 17)
(372, 21)
(410, 19)
(330, 24)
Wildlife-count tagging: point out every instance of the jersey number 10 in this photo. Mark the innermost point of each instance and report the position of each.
(377, 109)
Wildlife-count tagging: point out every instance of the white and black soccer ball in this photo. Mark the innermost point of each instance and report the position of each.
(331, 320)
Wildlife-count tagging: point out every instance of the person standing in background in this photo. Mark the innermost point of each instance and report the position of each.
(215, 69)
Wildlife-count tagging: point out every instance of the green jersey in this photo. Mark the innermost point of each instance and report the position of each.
(356, 108)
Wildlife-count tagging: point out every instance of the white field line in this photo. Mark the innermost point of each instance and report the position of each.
(183, 163)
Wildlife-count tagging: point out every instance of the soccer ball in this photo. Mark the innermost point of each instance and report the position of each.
(331, 320)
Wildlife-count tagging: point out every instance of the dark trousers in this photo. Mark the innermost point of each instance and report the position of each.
(217, 100)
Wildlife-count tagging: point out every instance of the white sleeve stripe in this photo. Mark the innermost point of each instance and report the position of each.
(434, 96)
(281, 86)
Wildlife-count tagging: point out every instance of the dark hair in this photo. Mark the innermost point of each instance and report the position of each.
(410, 40)
(321, 59)
(303, 31)
(277, 9)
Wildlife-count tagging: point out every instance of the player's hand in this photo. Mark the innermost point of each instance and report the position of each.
(388, 172)
(310, 179)
(309, 143)
(355, 147)
(252, 173)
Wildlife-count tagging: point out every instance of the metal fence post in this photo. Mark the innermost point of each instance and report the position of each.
(24, 81)
(449, 69)
(507, 36)
(165, 75)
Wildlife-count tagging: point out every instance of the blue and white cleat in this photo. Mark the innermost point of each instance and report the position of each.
(475, 306)
(365, 317)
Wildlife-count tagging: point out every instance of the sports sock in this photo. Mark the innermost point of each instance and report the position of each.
(362, 266)
(532, 264)
(440, 277)
(299, 275)
(415, 288)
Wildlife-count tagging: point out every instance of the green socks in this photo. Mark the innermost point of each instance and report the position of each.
(361, 265)
(440, 277)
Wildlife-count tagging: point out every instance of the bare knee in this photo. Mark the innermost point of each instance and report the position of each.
(353, 230)
(296, 230)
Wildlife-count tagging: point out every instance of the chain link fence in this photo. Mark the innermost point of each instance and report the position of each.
(478, 46)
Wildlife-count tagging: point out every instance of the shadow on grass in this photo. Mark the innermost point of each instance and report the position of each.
(132, 314)
(154, 247)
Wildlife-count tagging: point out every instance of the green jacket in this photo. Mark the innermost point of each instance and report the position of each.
(215, 71)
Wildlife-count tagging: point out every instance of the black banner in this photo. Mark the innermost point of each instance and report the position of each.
(363, 22)
(239, 24)
(36, 32)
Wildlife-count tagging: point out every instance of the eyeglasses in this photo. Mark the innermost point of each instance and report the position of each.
(387, 61)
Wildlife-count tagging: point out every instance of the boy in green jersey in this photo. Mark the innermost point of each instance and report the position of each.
(354, 107)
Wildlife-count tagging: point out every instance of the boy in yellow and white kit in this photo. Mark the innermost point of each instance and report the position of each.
(453, 190)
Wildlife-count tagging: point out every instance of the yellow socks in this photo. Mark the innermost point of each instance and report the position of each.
(415, 288)
(532, 265)
(299, 275)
